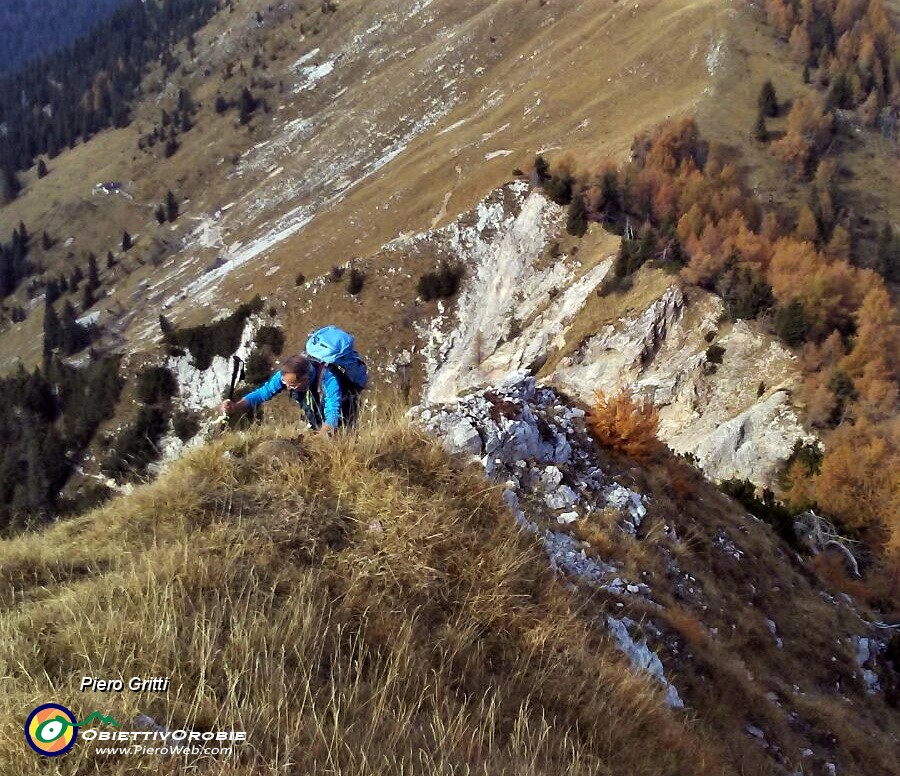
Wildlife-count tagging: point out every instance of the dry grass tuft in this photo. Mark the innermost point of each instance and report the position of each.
(688, 626)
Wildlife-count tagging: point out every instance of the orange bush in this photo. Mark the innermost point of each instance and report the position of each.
(625, 425)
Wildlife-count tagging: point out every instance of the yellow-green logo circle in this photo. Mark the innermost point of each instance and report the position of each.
(51, 730)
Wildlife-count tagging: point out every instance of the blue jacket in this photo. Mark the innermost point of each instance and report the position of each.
(320, 403)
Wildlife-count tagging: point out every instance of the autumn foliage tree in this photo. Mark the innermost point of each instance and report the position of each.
(860, 480)
(874, 361)
(623, 424)
(781, 17)
(809, 131)
(801, 47)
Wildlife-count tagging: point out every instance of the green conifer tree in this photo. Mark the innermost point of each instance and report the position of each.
(768, 102)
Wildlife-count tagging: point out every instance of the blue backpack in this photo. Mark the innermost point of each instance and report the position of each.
(336, 348)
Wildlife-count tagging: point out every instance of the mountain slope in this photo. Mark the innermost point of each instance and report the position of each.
(368, 606)
(359, 622)
(28, 32)
(354, 149)
(385, 137)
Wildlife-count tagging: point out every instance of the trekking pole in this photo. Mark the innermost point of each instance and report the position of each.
(237, 369)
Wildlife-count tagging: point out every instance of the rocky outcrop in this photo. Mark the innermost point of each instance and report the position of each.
(203, 388)
(200, 390)
(513, 308)
(529, 439)
(730, 409)
(649, 352)
(733, 413)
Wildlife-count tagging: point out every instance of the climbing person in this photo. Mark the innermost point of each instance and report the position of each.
(326, 381)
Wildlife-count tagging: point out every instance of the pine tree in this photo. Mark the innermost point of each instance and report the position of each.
(611, 201)
(52, 330)
(167, 329)
(185, 102)
(221, 104)
(768, 102)
(87, 298)
(760, 133)
(171, 147)
(160, 214)
(42, 170)
(9, 185)
(840, 93)
(889, 254)
(576, 220)
(36, 487)
(126, 242)
(76, 278)
(110, 260)
(791, 323)
(541, 169)
(248, 105)
(74, 336)
(51, 291)
(171, 207)
(93, 278)
(46, 242)
(559, 188)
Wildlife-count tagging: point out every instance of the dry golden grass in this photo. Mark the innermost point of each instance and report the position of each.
(880, 588)
(366, 609)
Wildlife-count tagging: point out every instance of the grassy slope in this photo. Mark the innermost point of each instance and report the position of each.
(601, 77)
(367, 609)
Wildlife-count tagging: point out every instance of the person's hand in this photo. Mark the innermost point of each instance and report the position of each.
(226, 406)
